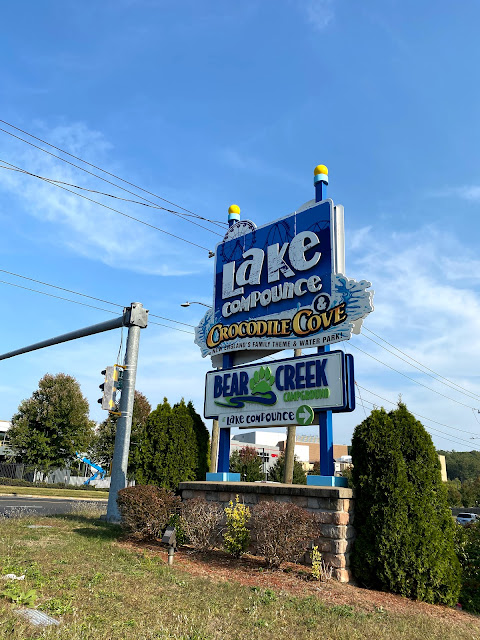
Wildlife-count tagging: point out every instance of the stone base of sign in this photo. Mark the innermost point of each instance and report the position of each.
(327, 481)
(332, 505)
(223, 476)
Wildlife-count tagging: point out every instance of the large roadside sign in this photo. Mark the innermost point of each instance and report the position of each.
(279, 287)
(282, 392)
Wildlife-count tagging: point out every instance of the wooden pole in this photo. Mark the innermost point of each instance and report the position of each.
(290, 446)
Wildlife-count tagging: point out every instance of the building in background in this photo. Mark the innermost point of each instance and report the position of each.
(4, 450)
(270, 445)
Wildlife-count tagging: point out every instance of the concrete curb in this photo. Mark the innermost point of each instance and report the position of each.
(25, 495)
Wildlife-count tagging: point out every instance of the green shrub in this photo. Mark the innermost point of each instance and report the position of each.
(236, 537)
(248, 464)
(277, 470)
(468, 552)
(282, 531)
(15, 482)
(201, 522)
(404, 526)
(146, 510)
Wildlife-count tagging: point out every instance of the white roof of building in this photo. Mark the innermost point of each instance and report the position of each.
(262, 437)
(5, 425)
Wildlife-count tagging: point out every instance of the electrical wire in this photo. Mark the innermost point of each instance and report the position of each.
(58, 183)
(469, 394)
(444, 436)
(361, 399)
(126, 215)
(18, 169)
(95, 167)
(84, 295)
(413, 379)
(84, 304)
(416, 414)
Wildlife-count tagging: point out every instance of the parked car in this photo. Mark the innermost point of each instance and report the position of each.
(467, 518)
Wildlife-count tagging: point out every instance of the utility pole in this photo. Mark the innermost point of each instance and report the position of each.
(214, 446)
(136, 321)
(290, 445)
(134, 317)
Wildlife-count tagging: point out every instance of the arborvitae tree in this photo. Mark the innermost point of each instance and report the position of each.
(404, 526)
(247, 463)
(104, 442)
(167, 450)
(202, 438)
(275, 473)
(51, 425)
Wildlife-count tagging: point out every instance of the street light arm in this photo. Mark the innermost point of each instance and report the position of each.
(187, 304)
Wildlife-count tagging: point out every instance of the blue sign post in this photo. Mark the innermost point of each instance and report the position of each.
(276, 287)
(325, 422)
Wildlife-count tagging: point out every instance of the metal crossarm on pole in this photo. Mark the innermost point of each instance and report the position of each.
(116, 323)
(135, 317)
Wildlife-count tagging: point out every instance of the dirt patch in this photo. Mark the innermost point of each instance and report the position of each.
(296, 580)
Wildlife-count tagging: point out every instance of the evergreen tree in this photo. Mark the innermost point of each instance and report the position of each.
(167, 451)
(404, 527)
(202, 438)
(276, 471)
(52, 425)
(103, 445)
(247, 463)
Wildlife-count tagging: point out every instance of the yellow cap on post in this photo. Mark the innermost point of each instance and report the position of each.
(320, 175)
(233, 214)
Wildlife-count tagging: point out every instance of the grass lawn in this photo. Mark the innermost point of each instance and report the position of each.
(104, 589)
(60, 493)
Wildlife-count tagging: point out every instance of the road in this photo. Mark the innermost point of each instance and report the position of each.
(42, 506)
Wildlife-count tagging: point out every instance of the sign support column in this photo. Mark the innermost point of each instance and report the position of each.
(223, 460)
(325, 423)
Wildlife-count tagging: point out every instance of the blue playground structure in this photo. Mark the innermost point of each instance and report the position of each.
(99, 472)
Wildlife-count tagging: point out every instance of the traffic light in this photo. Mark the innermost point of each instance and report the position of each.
(113, 382)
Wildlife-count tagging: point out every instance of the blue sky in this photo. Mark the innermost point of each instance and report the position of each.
(210, 103)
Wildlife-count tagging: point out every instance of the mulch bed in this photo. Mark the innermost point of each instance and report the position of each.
(296, 580)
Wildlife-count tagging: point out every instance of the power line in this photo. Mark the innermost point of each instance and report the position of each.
(464, 391)
(18, 169)
(94, 166)
(84, 304)
(55, 184)
(444, 436)
(84, 295)
(416, 414)
(413, 379)
(361, 399)
(54, 286)
(126, 215)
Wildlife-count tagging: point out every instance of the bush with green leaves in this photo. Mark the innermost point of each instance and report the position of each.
(201, 521)
(404, 526)
(282, 531)
(236, 537)
(247, 463)
(467, 541)
(276, 472)
(166, 453)
(146, 510)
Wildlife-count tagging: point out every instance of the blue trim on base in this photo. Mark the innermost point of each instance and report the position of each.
(223, 477)
(326, 481)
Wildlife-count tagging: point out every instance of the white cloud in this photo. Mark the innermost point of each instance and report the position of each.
(427, 303)
(319, 13)
(86, 228)
(470, 193)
